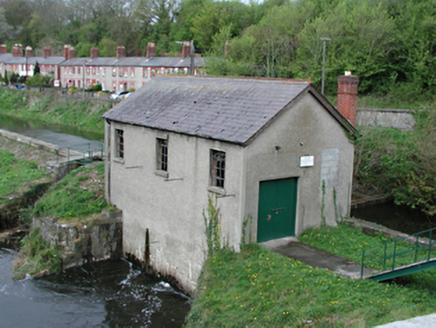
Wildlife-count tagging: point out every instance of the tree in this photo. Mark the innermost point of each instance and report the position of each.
(6, 78)
(36, 69)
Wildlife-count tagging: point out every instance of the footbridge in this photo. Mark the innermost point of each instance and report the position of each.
(401, 256)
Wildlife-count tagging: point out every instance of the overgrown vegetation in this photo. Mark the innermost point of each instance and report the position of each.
(39, 80)
(36, 256)
(78, 195)
(81, 113)
(401, 163)
(15, 172)
(349, 242)
(257, 288)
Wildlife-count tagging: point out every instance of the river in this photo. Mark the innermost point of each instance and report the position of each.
(103, 294)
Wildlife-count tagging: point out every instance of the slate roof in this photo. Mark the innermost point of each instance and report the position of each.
(5, 57)
(134, 61)
(52, 60)
(227, 109)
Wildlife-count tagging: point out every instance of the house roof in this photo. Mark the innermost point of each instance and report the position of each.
(5, 57)
(228, 109)
(52, 60)
(176, 62)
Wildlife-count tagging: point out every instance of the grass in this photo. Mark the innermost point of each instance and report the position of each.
(36, 255)
(78, 195)
(257, 288)
(16, 172)
(83, 114)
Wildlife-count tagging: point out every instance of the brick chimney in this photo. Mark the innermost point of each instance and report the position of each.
(17, 50)
(46, 52)
(151, 50)
(71, 52)
(66, 48)
(186, 49)
(3, 49)
(94, 52)
(347, 96)
(121, 52)
(29, 51)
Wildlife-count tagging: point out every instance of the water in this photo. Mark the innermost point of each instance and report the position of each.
(60, 135)
(395, 217)
(104, 294)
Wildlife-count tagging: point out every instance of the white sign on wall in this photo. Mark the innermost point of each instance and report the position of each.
(307, 161)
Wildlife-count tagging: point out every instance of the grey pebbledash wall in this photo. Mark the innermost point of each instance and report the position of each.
(394, 118)
(93, 239)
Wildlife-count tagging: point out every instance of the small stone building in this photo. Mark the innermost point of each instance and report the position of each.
(272, 152)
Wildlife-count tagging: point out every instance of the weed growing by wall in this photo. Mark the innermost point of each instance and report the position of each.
(36, 256)
(213, 226)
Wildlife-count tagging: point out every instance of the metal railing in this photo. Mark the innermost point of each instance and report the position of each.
(84, 152)
(396, 255)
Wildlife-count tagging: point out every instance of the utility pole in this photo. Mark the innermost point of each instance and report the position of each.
(83, 76)
(191, 62)
(323, 63)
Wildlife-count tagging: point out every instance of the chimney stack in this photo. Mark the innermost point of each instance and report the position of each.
(151, 50)
(29, 51)
(3, 49)
(347, 96)
(46, 52)
(121, 52)
(71, 52)
(186, 49)
(94, 52)
(17, 50)
(66, 48)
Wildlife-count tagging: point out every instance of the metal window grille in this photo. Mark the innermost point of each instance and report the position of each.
(162, 155)
(120, 143)
(218, 167)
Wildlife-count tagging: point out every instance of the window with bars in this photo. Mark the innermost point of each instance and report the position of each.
(162, 154)
(217, 168)
(119, 143)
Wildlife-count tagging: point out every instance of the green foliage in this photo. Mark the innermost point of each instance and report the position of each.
(36, 255)
(6, 79)
(14, 173)
(401, 163)
(213, 226)
(14, 78)
(36, 69)
(83, 114)
(78, 195)
(349, 242)
(39, 80)
(257, 288)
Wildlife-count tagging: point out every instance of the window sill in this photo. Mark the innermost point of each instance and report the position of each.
(217, 190)
(118, 160)
(160, 173)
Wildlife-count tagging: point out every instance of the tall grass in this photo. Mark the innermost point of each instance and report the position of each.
(78, 195)
(257, 288)
(16, 172)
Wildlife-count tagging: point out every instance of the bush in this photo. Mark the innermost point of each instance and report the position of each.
(401, 163)
(39, 80)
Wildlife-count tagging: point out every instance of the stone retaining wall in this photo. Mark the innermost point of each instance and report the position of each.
(93, 239)
(393, 118)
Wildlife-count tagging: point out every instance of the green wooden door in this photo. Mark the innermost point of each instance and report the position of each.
(277, 209)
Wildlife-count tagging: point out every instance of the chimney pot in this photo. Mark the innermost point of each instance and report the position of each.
(29, 51)
(94, 52)
(121, 52)
(71, 52)
(347, 96)
(151, 50)
(186, 49)
(66, 48)
(46, 52)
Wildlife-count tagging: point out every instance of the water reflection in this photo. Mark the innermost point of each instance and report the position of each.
(63, 136)
(395, 217)
(108, 294)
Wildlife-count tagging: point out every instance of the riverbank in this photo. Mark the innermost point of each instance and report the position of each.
(84, 114)
(257, 288)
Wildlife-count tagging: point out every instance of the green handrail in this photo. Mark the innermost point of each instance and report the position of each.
(395, 253)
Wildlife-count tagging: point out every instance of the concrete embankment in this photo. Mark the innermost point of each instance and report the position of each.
(93, 239)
